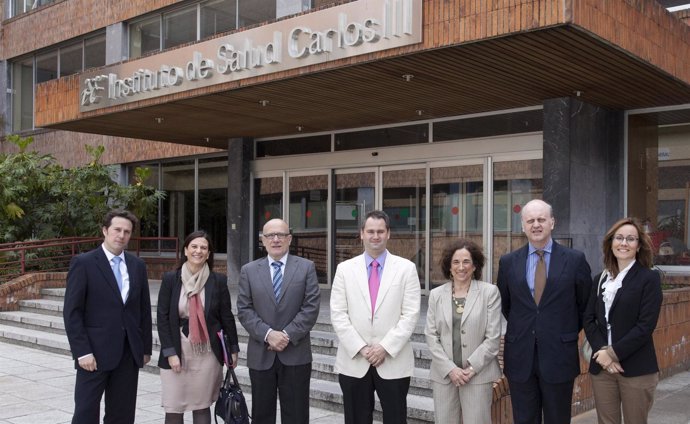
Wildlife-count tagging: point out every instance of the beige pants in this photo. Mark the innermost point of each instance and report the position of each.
(634, 395)
(472, 402)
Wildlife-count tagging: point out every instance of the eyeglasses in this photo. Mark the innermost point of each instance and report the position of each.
(630, 239)
(279, 236)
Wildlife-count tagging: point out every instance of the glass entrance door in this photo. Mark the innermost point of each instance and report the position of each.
(354, 198)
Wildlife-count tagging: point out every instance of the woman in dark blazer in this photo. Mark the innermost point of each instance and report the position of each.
(193, 306)
(621, 316)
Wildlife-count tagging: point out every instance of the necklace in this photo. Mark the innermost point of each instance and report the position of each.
(458, 302)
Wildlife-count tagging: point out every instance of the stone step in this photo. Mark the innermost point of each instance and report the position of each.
(322, 367)
(324, 393)
(42, 306)
(33, 320)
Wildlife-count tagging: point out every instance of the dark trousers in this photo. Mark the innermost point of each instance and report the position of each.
(358, 398)
(535, 396)
(120, 387)
(290, 383)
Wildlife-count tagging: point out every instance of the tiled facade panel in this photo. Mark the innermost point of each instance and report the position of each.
(67, 19)
(68, 148)
(642, 27)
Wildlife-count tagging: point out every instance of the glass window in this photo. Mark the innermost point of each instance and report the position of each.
(381, 137)
(354, 198)
(23, 94)
(309, 221)
(94, 51)
(404, 197)
(515, 184)
(178, 205)
(457, 208)
(252, 12)
(46, 66)
(218, 16)
(71, 59)
(659, 162)
(179, 27)
(268, 204)
(294, 146)
(491, 125)
(291, 7)
(145, 36)
(213, 201)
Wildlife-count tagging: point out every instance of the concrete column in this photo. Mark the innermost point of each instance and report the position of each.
(239, 157)
(583, 171)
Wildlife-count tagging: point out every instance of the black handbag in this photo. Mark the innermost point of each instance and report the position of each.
(231, 406)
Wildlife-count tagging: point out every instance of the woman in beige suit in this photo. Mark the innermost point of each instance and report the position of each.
(463, 331)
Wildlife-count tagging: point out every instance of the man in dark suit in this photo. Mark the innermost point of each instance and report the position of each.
(278, 305)
(544, 291)
(107, 316)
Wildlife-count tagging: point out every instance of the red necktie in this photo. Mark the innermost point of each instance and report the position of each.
(374, 282)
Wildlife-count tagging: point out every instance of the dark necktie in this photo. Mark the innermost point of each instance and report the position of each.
(277, 278)
(539, 277)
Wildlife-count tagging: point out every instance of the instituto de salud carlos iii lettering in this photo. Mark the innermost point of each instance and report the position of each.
(357, 28)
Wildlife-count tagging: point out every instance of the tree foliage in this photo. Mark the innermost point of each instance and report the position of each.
(39, 199)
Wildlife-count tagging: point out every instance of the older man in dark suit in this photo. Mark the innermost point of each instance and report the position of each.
(107, 316)
(278, 305)
(544, 291)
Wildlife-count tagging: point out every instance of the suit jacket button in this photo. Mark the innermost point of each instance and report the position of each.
(464, 345)
(462, 331)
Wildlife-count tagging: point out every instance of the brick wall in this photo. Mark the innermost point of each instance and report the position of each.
(28, 287)
(68, 148)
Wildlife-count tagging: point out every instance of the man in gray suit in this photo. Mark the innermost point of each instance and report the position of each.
(278, 304)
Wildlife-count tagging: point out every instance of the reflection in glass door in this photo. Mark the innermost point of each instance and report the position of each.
(403, 196)
(268, 204)
(308, 218)
(457, 210)
(354, 198)
(515, 183)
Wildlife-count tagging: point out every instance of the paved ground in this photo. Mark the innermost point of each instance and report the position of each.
(36, 387)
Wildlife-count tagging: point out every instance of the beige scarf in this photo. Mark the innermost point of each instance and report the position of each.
(193, 285)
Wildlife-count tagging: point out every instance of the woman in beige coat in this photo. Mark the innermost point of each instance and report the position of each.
(463, 331)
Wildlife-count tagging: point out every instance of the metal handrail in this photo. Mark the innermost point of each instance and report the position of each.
(54, 255)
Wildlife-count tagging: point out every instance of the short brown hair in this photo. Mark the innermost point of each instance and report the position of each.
(120, 213)
(644, 255)
(476, 253)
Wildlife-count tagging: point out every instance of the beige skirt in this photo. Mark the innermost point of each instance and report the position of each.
(196, 386)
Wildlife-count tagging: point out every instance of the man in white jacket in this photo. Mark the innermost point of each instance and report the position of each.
(374, 309)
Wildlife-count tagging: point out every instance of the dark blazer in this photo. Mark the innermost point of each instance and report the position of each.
(217, 312)
(96, 319)
(295, 312)
(554, 324)
(633, 317)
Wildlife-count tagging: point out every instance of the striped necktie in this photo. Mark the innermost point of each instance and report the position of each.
(277, 278)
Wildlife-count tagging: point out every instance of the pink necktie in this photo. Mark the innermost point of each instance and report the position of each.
(374, 282)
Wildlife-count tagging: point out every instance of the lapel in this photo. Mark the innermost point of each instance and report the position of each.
(445, 305)
(626, 282)
(103, 266)
(387, 278)
(289, 270)
(209, 292)
(265, 279)
(362, 279)
(472, 296)
(176, 290)
(520, 272)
